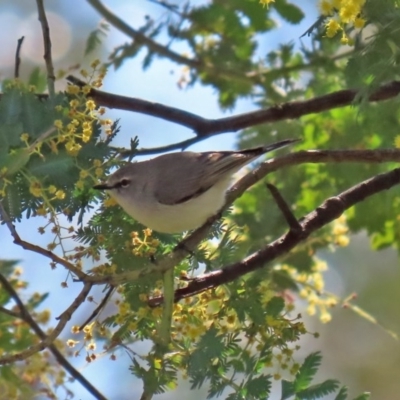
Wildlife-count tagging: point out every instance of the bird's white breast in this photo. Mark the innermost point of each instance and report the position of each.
(178, 217)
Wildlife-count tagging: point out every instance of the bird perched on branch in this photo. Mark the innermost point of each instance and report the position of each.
(180, 191)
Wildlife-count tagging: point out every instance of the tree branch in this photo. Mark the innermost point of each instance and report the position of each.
(98, 309)
(26, 316)
(139, 37)
(47, 48)
(257, 77)
(204, 127)
(37, 249)
(9, 312)
(329, 210)
(49, 339)
(17, 56)
(312, 156)
(165, 52)
(287, 213)
(190, 242)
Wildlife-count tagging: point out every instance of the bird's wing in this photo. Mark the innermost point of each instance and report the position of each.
(192, 174)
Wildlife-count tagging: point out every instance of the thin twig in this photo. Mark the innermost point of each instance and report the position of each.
(9, 312)
(42, 137)
(17, 56)
(26, 316)
(285, 209)
(37, 249)
(257, 77)
(49, 339)
(99, 307)
(47, 48)
(328, 211)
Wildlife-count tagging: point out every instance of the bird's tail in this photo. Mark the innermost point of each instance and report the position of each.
(258, 151)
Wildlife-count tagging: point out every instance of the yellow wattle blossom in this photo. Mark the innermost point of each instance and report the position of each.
(86, 136)
(75, 329)
(35, 189)
(80, 185)
(95, 63)
(24, 137)
(86, 89)
(343, 12)
(60, 194)
(326, 7)
(99, 172)
(72, 343)
(41, 211)
(83, 174)
(73, 89)
(72, 148)
(359, 23)
(332, 28)
(58, 124)
(91, 105)
(74, 103)
(397, 142)
(52, 189)
(266, 2)
(109, 202)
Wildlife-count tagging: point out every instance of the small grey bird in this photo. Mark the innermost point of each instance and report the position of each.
(177, 192)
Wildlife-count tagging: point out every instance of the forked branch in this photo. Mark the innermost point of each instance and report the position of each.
(204, 127)
(328, 211)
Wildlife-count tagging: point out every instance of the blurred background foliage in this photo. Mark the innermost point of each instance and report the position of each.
(209, 58)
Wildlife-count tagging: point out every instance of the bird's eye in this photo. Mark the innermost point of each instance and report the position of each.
(124, 183)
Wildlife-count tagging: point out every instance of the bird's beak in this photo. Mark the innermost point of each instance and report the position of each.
(102, 186)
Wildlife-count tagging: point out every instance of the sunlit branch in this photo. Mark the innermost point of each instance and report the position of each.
(204, 128)
(191, 241)
(26, 316)
(37, 249)
(49, 339)
(328, 211)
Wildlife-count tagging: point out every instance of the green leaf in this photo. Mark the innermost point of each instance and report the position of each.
(10, 133)
(342, 395)
(302, 260)
(284, 280)
(54, 165)
(317, 391)
(95, 38)
(364, 396)
(288, 11)
(7, 268)
(287, 388)
(385, 238)
(259, 387)
(11, 107)
(8, 375)
(307, 371)
(14, 161)
(275, 306)
(38, 79)
(13, 202)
